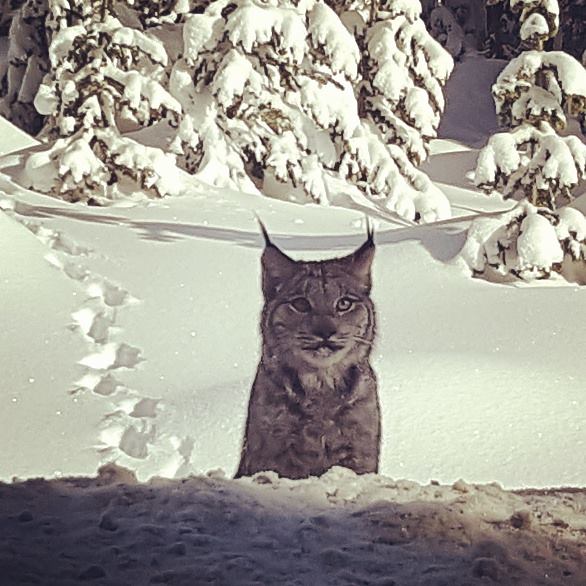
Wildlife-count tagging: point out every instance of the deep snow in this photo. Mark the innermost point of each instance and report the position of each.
(476, 380)
(137, 341)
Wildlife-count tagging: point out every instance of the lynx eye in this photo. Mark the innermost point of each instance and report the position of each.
(300, 304)
(344, 304)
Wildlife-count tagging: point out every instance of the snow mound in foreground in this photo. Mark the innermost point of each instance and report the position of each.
(337, 529)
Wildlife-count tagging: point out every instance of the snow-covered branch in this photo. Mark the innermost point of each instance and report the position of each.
(532, 162)
(536, 95)
(104, 76)
(284, 99)
(528, 243)
(540, 85)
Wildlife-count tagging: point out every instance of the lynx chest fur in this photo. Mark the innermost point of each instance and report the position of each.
(314, 401)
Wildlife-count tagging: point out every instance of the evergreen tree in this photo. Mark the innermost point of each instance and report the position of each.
(528, 243)
(537, 95)
(104, 77)
(300, 100)
(573, 27)
(27, 63)
(294, 99)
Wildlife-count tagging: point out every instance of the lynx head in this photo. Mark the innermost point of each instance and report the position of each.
(317, 313)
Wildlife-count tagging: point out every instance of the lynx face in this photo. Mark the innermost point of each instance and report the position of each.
(317, 314)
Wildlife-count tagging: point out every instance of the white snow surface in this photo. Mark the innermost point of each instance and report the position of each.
(130, 334)
(161, 309)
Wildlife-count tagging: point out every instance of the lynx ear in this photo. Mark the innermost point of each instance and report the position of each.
(359, 263)
(277, 267)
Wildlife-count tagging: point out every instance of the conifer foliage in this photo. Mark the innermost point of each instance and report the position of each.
(104, 77)
(300, 99)
(537, 95)
(528, 243)
(297, 98)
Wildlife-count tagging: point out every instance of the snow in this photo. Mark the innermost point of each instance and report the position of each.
(469, 116)
(444, 27)
(14, 139)
(545, 7)
(340, 529)
(254, 24)
(200, 363)
(535, 25)
(130, 38)
(197, 32)
(571, 222)
(569, 72)
(234, 73)
(171, 266)
(531, 159)
(537, 244)
(129, 333)
(327, 31)
(62, 42)
(37, 303)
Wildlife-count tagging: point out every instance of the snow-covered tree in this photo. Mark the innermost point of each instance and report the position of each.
(8, 9)
(157, 12)
(536, 95)
(459, 25)
(294, 97)
(573, 27)
(502, 27)
(105, 77)
(284, 97)
(528, 243)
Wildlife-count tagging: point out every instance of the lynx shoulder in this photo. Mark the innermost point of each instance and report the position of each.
(314, 401)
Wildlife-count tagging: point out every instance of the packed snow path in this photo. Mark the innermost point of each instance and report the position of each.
(337, 530)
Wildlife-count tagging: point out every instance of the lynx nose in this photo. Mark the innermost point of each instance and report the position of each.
(324, 328)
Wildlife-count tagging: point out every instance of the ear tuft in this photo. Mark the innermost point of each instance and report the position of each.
(369, 231)
(359, 262)
(263, 231)
(277, 267)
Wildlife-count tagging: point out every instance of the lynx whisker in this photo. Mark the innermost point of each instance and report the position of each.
(362, 340)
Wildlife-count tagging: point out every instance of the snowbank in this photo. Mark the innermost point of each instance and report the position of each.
(13, 139)
(339, 529)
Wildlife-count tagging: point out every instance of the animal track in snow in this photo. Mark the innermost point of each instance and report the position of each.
(134, 442)
(145, 408)
(111, 356)
(94, 322)
(111, 295)
(132, 430)
(97, 383)
(133, 439)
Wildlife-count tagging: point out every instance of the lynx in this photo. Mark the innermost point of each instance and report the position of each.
(314, 401)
